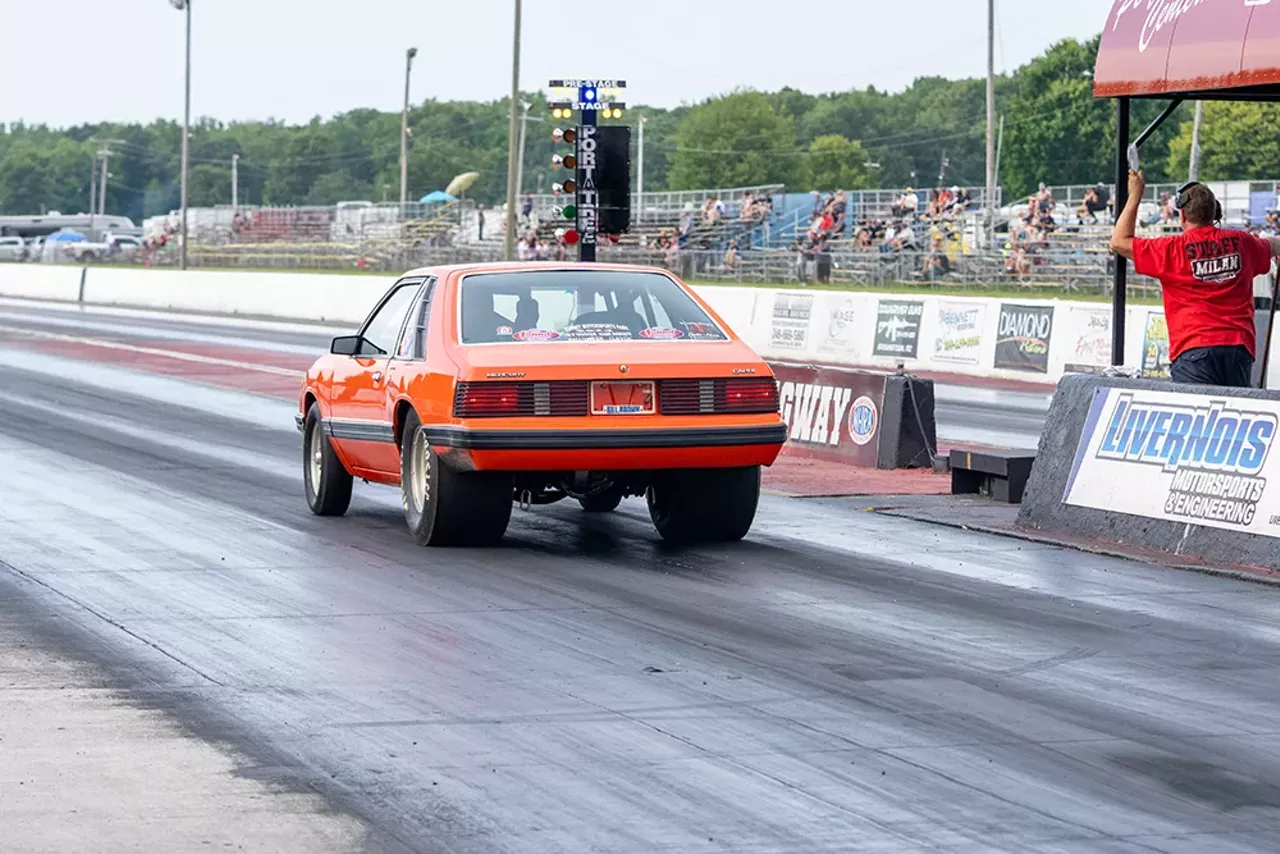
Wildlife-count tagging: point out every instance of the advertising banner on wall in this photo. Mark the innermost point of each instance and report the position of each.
(1024, 335)
(1155, 347)
(840, 332)
(833, 413)
(1199, 459)
(791, 315)
(1090, 336)
(898, 328)
(958, 336)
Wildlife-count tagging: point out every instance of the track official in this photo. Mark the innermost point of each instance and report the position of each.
(1207, 276)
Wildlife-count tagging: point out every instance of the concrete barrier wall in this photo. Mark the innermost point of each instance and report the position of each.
(1186, 470)
(1033, 341)
(41, 281)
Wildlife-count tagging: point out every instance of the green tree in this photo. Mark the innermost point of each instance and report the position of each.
(836, 163)
(736, 141)
(1237, 140)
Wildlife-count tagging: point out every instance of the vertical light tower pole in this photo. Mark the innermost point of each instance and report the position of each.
(509, 234)
(235, 181)
(640, 174)
(404, 130)
(991, 119)
(185, 6)
(1193, 170)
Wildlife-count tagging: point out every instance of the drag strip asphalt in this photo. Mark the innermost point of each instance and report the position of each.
(841, 681)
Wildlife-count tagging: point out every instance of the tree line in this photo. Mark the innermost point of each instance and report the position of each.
(1054, 131)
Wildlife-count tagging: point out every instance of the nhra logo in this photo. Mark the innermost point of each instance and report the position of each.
(814, 412)
(863, 419)
(1213, 438)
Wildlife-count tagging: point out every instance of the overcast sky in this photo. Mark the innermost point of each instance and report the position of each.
(88, 60)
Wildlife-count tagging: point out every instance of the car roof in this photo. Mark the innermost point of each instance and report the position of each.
(546, 266)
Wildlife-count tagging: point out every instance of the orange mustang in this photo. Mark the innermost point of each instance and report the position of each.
(473, 387)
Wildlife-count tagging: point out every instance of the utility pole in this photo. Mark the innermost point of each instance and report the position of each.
(991, 117)
(105, 154)
(185, 6)
(93, 191)
(509, 235)
(640, 174)
(404, 130)
(1193, 173)
(235, 181)
(524, 132)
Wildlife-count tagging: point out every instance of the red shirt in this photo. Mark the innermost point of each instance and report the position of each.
(1207, 275)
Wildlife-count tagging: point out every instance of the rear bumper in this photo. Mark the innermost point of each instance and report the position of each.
(611, 440)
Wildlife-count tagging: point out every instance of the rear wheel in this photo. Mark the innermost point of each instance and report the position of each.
(328, 483)
(603, 502)
(707, 505)
(444, 507)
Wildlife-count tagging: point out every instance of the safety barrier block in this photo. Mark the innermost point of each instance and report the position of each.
(1185, 470)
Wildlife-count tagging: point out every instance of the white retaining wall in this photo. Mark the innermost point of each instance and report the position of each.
(1029, 340)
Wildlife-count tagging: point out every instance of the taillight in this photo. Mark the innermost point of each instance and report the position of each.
(747, 395)
(482, 400)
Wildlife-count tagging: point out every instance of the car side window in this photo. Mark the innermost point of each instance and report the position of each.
(413, 340)
(383, 329)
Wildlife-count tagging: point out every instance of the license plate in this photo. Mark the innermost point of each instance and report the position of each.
(622, 398)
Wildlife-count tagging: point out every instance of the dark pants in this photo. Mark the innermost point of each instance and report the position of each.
(1224, 366)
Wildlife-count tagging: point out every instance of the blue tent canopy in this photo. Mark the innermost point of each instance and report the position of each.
(66, 237)
(437, 196)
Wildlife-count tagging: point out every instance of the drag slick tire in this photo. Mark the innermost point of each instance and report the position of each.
(327, 481)
(604, 502)
(444, 507)
(704, 505)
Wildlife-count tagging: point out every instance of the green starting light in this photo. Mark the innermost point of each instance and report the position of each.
(570, 211)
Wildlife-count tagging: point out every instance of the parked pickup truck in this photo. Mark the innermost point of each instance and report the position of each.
(122, 246)
(13, 248)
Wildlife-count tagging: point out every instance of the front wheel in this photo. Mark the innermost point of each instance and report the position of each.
(328, 483)
(444, 507)
(707, 505)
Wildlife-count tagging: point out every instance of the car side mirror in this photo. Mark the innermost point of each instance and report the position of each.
(346, 345)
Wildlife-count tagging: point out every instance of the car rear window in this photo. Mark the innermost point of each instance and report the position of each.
(580, 305)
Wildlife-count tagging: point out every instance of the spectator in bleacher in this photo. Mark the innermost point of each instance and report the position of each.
(1095, 201)
(936, 263)
(1271, 225)
(686, 228)
(1042, 201)
(480, 222)
(908, 204)
(526, 208)
(839, 210)
(816, 210)
(959, 201)
(731, 256)
(709, 213)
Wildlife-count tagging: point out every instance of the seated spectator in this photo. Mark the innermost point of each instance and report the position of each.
(959, 201)
(839, 208)
(1043, 200)
(731, 256)
(937, 263)
(1096, 200)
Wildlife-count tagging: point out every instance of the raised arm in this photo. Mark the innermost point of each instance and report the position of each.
(1127, 222)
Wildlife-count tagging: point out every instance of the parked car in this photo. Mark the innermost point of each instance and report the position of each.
(476, 386)
(13, 249)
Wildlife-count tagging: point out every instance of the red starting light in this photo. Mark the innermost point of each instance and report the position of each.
(571, 236)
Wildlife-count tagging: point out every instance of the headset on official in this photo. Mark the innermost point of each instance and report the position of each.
(1181, 199)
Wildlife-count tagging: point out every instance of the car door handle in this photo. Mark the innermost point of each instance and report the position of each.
(377, 377)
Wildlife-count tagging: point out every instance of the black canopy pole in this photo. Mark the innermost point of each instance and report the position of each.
(1160, 119)
(1120, 283)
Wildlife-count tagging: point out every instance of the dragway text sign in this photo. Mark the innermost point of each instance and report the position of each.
(1199, 459)
(832, 413)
